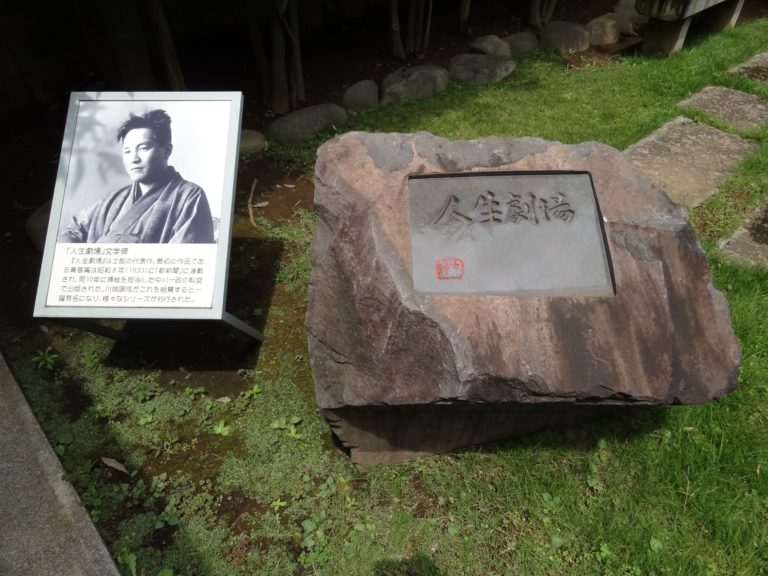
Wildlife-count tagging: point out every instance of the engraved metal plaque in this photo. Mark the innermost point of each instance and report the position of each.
(509, 233)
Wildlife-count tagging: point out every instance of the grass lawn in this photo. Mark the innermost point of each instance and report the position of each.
(242, 478)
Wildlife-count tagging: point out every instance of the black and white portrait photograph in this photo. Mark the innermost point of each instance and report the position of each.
(142, 210)
(147, 172)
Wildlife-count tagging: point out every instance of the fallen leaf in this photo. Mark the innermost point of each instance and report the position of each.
(112, 463)
(261, 205)
(224, 400)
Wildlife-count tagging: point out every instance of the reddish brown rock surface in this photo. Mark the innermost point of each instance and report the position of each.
(392, 365)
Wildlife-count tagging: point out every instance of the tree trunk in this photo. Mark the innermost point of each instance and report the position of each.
(298, 93)
(427, 27)
(259, 53)
(464, 17)
(549, 10)
(541, 12)
(411, 29)
(167, 50)
(280, 99)
(394, 26)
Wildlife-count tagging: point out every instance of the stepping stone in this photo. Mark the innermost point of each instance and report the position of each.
(733, 107)
(688, 160)
(755, 68)
(748, 245)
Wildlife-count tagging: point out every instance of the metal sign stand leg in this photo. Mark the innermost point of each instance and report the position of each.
(238, 324)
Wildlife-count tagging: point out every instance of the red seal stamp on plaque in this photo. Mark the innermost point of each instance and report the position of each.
(449, 269)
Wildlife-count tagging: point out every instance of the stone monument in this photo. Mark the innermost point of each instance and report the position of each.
(466, 291)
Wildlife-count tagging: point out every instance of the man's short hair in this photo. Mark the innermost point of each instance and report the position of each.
(156, 120)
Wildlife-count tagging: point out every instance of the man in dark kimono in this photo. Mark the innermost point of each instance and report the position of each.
(159, 207)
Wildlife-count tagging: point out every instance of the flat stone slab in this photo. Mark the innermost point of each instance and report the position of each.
(755, 68)
(46, 531)
(749, 244)
(733, 107)
(742, 248)
(688, 160)
(476, 218)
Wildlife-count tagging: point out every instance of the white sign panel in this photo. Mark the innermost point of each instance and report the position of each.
(142, 211)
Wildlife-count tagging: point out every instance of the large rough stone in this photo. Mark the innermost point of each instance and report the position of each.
(603, 30)
(522, 43)
(361, 96)
(302, 124)
(492, 45)
(400, 373)
(413, 83)
(689, 160)
(733, 107)
(565, 37)
(479, 69)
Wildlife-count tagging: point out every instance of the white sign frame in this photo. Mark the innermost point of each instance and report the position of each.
(227, 170)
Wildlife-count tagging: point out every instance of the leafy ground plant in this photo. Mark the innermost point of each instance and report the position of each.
(678, 490)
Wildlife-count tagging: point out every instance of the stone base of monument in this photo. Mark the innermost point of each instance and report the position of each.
(389, 434)
(464, 292)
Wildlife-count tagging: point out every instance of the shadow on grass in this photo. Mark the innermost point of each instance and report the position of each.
(205, 344)
(615, 423)
(418, 565)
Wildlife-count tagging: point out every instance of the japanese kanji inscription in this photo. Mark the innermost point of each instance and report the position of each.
(508, 233)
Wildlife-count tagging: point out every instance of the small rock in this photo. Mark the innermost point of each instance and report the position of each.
(413, 83)
(251, 141)
(603, 30)
(626, 27)
(565, 37)
(627, 8)
(361, 96)
(522, 43)
(480, 69)
(36, 225)
(301, 124)
(492, 45)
